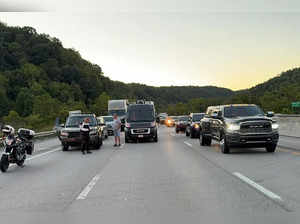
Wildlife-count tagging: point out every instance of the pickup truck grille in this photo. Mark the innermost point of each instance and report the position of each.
(256, 127)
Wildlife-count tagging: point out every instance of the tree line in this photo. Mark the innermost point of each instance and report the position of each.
(41, 80)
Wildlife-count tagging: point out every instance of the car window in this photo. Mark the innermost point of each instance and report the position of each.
(242, 111)
(74, 121)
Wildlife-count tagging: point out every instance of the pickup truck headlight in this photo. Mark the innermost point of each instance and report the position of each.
(233, 127)
(275, 126)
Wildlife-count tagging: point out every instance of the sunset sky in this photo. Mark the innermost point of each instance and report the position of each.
(187, 43)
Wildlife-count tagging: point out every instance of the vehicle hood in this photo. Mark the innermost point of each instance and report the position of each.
(245, 119)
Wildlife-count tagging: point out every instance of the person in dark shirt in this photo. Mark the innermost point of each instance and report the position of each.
(85, 136)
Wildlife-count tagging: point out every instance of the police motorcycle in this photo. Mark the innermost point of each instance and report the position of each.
(16, 147)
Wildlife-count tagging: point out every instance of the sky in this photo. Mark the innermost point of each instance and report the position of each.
(225, 43)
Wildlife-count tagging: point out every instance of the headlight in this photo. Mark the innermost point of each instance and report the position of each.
(196, 126)
(233, 127)
(275, 126)
(64, 134)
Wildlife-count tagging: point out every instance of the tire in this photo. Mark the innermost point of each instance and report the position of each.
(126, 140)
(155, 138)
(271, 148)
(208, 141)
(177, 131)
(202, 140)
(4, 164)
(224, 146)
(106, 136)
(21, 162)
(65, 147)
(99, 143)
(192, 135)
(187, 134)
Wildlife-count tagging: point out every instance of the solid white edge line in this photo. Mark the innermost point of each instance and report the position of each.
(188, 144)
(88, 188)
(258, 187)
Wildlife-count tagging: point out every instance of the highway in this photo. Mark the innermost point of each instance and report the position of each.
(173, 181)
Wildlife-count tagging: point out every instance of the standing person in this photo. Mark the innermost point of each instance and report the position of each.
(85, 136)
(117, 130)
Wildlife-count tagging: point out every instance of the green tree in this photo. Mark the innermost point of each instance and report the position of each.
(100, 105)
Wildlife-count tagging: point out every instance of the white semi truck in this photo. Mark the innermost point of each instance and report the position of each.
(118, 107)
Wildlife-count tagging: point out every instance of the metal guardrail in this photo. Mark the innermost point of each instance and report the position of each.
(44, 134)
(39, 135)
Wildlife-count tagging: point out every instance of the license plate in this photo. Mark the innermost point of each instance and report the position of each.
(141, 136)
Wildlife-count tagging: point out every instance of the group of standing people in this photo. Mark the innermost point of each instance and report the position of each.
(85, 134)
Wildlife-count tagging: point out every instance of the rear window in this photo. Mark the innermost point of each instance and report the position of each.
(108, 119)
(74, 121)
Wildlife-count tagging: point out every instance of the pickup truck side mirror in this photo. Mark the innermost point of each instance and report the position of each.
(270, 114)
(62, 125)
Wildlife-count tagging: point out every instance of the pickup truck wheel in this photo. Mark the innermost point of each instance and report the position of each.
(208, 141)
(187, 134)
(192, 135)
(99, 143)
(271, 148)
(65, 147)
(177, 131)
(224, 147)
(202, 140)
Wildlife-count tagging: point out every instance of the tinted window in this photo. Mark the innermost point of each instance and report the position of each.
(74, 121)
(198, 117)
(141, 115)
(242, 111)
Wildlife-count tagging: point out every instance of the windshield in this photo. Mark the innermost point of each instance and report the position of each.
(118, 112)
(108, 119)
(74, 121)
(242, 111)
(184, 118)
(198, 117)
(141, 115)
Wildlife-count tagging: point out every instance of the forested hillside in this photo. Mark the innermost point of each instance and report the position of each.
(41, 80)
(276, 95)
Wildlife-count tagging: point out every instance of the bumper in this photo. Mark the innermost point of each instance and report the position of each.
(181, 127)
(253, 140)
(76, 141)
(149, 135)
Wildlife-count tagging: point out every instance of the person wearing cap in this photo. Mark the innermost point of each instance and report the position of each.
(85, 136)
(117, 130)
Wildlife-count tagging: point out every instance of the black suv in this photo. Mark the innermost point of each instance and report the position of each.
(239, 125)
(140, 123)
(193, 128)
(70, 133)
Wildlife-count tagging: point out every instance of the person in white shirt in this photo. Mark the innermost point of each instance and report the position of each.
(117, 130)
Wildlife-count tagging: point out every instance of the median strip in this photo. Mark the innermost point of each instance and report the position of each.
(258, 187)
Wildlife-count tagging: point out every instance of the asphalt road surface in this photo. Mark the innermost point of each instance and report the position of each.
(173, 181)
